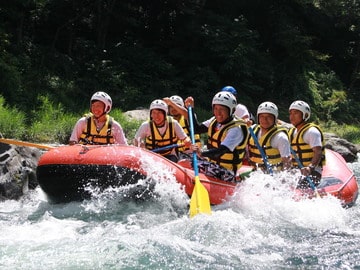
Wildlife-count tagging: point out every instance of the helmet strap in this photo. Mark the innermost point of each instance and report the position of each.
(230, 118)
(300, 124)
(101, 115)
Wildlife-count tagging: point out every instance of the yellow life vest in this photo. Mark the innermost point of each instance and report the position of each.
(231, 160)
(302, 149)
(272, 154)
(156, 140)
(184, 124)
(91, 135)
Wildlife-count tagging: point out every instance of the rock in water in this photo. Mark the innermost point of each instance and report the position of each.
(17, 170)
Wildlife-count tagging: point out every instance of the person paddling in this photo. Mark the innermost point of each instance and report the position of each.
(272, 138)
(227, 138)
(160, 131)
(307, 140)
(98, 127)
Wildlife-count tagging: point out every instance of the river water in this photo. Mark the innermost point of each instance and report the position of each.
(260, 227)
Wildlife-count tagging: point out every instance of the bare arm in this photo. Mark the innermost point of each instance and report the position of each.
(181, 110)
(315, 161)
(286, 161)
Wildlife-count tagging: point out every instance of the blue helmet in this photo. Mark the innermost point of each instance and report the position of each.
(230, 89)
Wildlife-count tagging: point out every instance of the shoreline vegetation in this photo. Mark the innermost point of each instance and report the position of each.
(51, 124)
(55, 54)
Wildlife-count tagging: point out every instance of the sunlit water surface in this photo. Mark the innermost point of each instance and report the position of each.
(260, 227)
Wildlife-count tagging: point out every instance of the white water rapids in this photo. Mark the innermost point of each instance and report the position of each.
(260, 227)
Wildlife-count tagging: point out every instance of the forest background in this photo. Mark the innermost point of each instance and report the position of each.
(54, 54)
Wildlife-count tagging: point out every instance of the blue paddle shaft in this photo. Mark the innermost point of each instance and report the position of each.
(302, 166)
(262, 152)
(192, 136)
(175, 145)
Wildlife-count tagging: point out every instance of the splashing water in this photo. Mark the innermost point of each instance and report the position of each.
(260, 227)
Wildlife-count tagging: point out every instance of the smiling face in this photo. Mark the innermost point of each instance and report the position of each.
(221, 113)
(266, 120)
(97, 108)
(158, 117)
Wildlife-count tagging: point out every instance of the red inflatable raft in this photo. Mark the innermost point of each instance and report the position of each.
(337, 180)
(66, 172)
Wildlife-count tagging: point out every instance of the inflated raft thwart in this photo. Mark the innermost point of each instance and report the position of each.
(67, 173)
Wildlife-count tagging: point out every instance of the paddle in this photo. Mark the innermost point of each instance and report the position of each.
(311, 183)
(199, 202)
(21, 143)
(262, 152)
(175, 145)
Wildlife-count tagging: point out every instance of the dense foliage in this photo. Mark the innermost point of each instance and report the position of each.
(139, 50)
(51, 123)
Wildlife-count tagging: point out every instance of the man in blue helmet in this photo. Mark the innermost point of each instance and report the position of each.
(241, 110)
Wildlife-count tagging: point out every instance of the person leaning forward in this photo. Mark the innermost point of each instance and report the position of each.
(98, 127)
(227, 138)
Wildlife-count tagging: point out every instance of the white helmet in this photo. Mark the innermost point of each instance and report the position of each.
(226, 99)
(177, 100)
(303, 107)
(159, 105)
(268, 107)
(104, 98)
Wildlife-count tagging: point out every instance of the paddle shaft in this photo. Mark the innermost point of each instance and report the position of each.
(175, 145)
(262, 152)
(21, 143)
(192, 137)
(311, 183)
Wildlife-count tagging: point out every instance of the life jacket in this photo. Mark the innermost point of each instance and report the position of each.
(91, 135)
(272, 154)
(185, 126)
(230, 160)
(302, 149)
(156, 140)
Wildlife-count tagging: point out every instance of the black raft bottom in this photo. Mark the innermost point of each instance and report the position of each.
(63, 183)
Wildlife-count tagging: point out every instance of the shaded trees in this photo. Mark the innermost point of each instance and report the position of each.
(139, 50)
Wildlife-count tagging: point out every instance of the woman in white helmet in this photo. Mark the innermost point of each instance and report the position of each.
(98, 127)
(227, 137)
(161, 131)
(178, 111)
(272, 138)
(307, 140)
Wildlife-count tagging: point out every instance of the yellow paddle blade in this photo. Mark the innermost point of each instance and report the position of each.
(199, 203)
(21, 143)
(317, 193)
